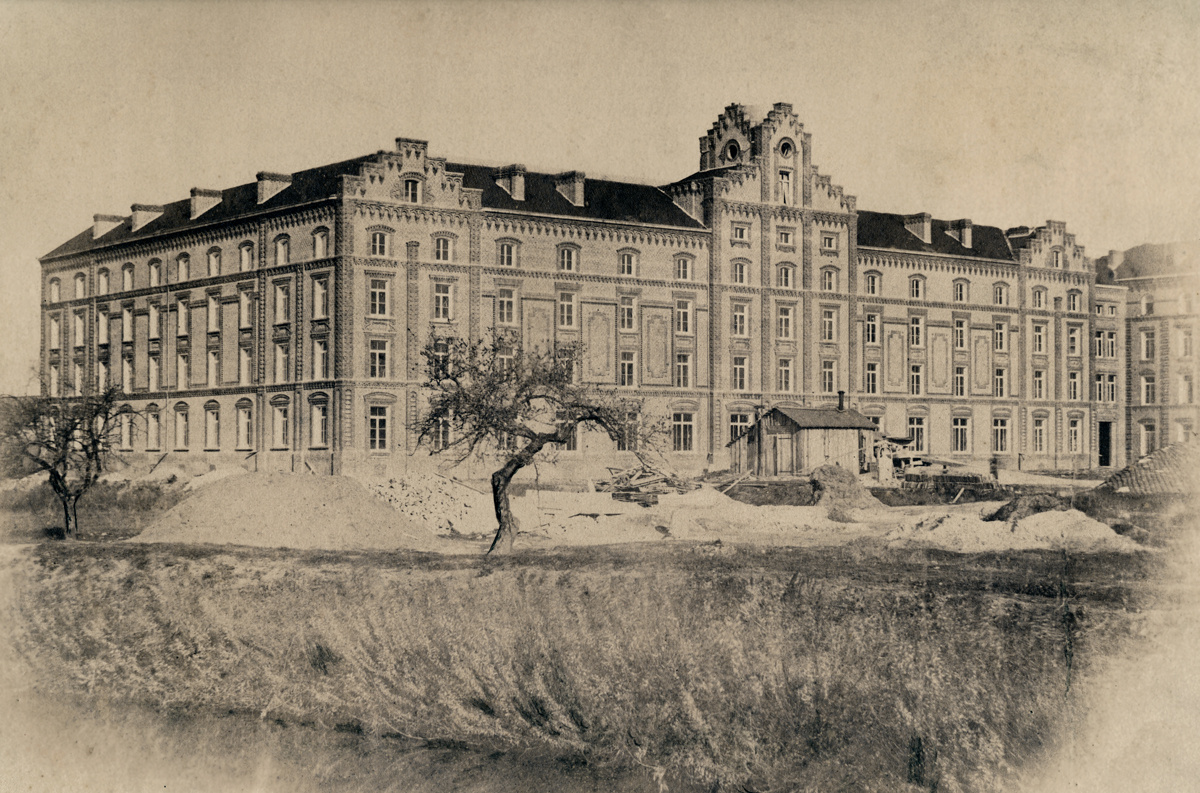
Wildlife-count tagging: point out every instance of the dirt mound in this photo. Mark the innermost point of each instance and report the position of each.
(836, 487)
(439, 503)
(1070, 530)
(1026, 505)
(290, 511)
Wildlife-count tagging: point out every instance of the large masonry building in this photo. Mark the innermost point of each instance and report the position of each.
(285, 317)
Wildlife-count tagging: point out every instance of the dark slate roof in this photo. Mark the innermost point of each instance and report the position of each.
(602, 199)
(721, 171)
(887, 230)
(310, 185)
(1171, 470)
(827, 418)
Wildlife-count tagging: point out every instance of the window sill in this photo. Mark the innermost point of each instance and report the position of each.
(318, 448)
(280, 449)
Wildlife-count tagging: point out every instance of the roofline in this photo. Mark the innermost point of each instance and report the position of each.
(944, 255)
(1149, 277)
(169, 232)
(582, 219)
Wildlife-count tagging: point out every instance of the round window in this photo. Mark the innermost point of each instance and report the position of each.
(785, 149)
(732, 150)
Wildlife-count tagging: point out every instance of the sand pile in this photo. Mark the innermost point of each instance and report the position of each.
(290, 511)
(438, 503)
(838, 488)
(967, 533)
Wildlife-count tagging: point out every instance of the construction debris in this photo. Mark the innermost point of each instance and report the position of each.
(643, 484)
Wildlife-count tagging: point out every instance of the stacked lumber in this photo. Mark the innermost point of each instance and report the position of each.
(643, 484)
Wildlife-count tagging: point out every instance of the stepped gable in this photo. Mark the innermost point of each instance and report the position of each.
(1172, 470)
(889, 230)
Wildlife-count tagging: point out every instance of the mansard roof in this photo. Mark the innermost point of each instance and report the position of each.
(888, 230)
(625, 202)
(311, 185)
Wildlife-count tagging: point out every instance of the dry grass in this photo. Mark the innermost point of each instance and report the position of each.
(696, 665)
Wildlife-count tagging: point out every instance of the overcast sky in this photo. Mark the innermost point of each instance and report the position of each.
(1008, 114)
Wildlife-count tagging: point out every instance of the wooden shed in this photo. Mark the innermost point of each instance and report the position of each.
(787, 441)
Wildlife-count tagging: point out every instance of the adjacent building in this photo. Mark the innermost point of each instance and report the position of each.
(281, 321)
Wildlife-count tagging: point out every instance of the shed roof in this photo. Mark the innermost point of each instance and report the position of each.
(1169, 471)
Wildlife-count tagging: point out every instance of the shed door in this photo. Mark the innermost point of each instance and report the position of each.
(784, 463)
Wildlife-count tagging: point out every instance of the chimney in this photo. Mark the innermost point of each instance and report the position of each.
(269, 184)
(204, 200)
(919, 226)
(102, 224)
(512, 179)
(570, 184)
(962, 231)
(841, 400)
(143, 214)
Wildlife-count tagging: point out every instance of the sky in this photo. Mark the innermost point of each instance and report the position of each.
(1006, 113)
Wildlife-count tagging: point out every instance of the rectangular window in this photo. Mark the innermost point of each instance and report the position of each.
(960, 334)
(245, 262)
(1185, 342)
(1149, 438)
(960, 292)
(279, 427)
(1149, 389)
(785, 237)
(126, 375)
(441, 302)
(739, 272)
(1072, 301)
(960, 381)
(282, 304)
(1039, 298)
(213, 374)
(1000, 435)
(1187, 393)
(737, 375)
(1110, 344)
(828, 325)
(379, 243)
(1039, 435)
(377, 302)
(320, 245)
(154, 322)
(442, 249)
(916, 288)
(1098, 388)
(181, 430)
(567, 259)
(244, 427)
(683, 269)
(829, 242)
(214, 313)
(1000, 337)
(683, 373)
(1098, 344)
(784, 279)
(871, 329)
(738, 319)
(916, 431)
(506, 307)
(320, 298)
(181, 370)
(55, 386)
(681, 432)
(566, 309)
(740, 233)
(126, 324)
(999, 382)
(504, 357)
(872, 284)
(505, 254)
(1073, 340)
(153, 431)
(626, 374)
(784, 325)
(378, 358)
(441, 435)
(914, 379)
(244, 365)
(785, 187)
(871, 379)
(212, 430)
(101, 375)
(282, 355)
(1148, 345)
(683, 316)
(625, 313)
(1074, 435)
(960, 437)
(412, 191)
(783, 379)
(377, 428)
(738, 423)
(244, 308)
(828, 377)
(1110, 385)
(1039, 338)
(102, 328)
(1072, 385)
(916, 328)
(1039, 384)
(319, 425)
(77, 377)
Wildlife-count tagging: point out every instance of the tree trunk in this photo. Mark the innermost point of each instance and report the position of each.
(507, 522)
(75, 515)
(68, 524)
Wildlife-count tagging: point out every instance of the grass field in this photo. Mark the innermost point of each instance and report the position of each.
(700, 667)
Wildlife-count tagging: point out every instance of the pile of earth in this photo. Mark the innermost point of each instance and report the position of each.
(1030, 504)
(439, 503)
(1069, 530)
(291, 511)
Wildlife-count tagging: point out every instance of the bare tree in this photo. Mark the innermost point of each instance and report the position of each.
(70, 438)
(494, 395)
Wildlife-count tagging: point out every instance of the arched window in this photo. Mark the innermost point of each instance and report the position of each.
(183, 268)
(1038, 297)
(785, 276)
(872, 282)
(627, 262)
(102, 282)
(684, 268)
(55, 291)
(568, 258)
(245, 424)
(246, 256)
(214, 261)
(80, 285)
(182, 430)
(507, 251)
(1000, 294)
(155, 269)
(916, 287)
(318, 414)
(829, 280)
(738, 271)
(320, 243)
(283, 250)
(961, 290)
(127, 277)
(212, 425)
(381, 241)
(443, 247)
(280, 417)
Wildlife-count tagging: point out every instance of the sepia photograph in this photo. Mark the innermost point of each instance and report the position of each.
(665, 397)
